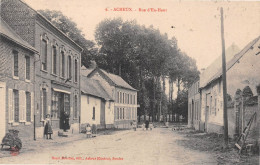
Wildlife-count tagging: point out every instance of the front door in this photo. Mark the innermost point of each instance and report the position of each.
(2, 110)
(64, 109)
(207, 111)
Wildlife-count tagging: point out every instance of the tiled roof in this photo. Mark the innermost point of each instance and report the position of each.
(7, 32)
(117, 80)
(85, 72)
(214, 71)
(94, 88)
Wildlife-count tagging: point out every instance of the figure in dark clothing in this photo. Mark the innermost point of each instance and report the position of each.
(146, 124)
(47, 127)
(66, 122)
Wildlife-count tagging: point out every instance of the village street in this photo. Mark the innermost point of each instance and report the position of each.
(159, 146)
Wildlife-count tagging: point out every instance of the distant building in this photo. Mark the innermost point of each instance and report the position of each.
(57, 67)
(97, 107)
(125, 96)
(194, 113)
(17, 79)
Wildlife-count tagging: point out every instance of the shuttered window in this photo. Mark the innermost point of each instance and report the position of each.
(16, 67)
(94, 113)
(54, 60)
(76, 107)
(69, 67)
(44, 54)
(28, 106)
(10, 106)
(16, 105)
(62, 64)
(43, 103)
(76, 70)
(27, 67)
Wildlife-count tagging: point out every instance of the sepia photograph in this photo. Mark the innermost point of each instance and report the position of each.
(130, 82)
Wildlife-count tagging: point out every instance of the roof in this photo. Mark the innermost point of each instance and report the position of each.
(94, 88)
(9, 34)
(214, 71)
(85, 72)
(117, 80)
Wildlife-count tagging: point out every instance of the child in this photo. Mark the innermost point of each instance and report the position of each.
(151, 125)
(47, 127)
(143, 126)
(88, 131)
(134, 125)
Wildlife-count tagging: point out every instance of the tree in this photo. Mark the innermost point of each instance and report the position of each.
(70, 28)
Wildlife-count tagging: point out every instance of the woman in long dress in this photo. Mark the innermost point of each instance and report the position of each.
(47, 127)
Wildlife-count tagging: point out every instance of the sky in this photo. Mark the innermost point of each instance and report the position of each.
(196, 25)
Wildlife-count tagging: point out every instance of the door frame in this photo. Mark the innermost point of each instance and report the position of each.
(3, 109)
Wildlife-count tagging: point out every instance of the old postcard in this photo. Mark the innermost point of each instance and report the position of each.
(129, 82)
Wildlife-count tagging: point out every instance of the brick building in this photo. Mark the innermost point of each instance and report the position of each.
(16, 83)
(57, 67)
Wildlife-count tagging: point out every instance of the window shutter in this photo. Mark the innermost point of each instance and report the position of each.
(32, 106)
(22, 104)
(10, 106)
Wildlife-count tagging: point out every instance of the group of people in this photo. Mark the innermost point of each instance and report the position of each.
(47, 125)
(147, 125)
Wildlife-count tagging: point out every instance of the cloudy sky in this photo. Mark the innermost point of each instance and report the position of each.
(196, 24)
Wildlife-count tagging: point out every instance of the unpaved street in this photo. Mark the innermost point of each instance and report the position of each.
(159, 146)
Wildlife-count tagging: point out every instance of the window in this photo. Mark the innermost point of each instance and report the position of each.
(16, 105)
(44, 54)
(120, 98)
(28, 106)
(120, 113)
(76, 107)
(69, 67)
(43, 103)
(54, 60)
(130, 99)
(15, 63)
(76, 70)
(117, 97)
(54, 109)
(134, 99)
(62, 64)
(123, 113)
(93, 115)
(67, 103)
(27, 67)
(123, 98)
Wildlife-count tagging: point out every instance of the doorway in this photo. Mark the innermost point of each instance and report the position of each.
(207, 111)
(64, 110)
(2, 109)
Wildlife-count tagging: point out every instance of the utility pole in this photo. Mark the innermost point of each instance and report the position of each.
(225, 115)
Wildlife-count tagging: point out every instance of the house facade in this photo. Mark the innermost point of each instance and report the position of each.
(242, 80)
(97, 107)
(57, 81)
(125, 96)
(16, 83)
(194, 114)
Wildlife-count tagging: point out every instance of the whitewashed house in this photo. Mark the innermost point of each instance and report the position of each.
(97, 107)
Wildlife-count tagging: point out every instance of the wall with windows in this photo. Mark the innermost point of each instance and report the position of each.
(125, 109)
(90, 109)
(17, 71)
(57, 71)
(194, 111)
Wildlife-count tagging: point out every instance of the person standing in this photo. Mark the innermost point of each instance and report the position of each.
(47, 127)
(146, 124)
(66, 121)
